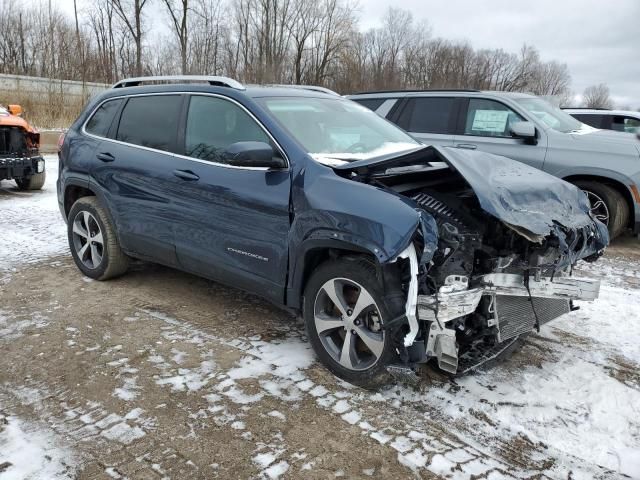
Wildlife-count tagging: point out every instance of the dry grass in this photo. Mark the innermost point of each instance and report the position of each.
(46, 110)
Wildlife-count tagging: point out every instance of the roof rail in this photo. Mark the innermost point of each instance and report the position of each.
(418, 90)
(211, 80)
(585, 108)
(313, 88)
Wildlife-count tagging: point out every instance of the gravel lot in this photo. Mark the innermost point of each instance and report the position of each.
(161, 374)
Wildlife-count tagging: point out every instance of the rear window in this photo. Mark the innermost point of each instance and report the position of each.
(428, 115)
(370, 103)
(101, 120)
(150, 121)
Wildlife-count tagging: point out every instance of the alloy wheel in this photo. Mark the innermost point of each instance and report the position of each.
(88, 240)
(599, 209)
(348, 324)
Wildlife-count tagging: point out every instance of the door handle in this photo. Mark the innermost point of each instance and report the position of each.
(105, 157)
(467, 146)
(186, 175)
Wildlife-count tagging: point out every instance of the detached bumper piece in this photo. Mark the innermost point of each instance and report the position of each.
(11, 167)
(513, 309)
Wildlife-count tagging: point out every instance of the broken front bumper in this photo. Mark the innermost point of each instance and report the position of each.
(513, 307)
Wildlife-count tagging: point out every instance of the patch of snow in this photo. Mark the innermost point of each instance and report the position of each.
(32, 452)
(352, 417)
(277, 414)
(31, 225)
(277, 470)
(123, 433)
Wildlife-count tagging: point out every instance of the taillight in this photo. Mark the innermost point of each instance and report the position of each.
(61, 141)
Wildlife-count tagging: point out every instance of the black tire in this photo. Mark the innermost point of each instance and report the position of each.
(616, 204)
(113, 261)
(389, 306)
(34, 182)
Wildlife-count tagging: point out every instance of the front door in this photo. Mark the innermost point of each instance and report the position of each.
(486, 127)
(234, 222)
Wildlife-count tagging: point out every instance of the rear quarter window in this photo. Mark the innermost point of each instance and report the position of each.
(101, 120)
(370, 103)
(150, 121)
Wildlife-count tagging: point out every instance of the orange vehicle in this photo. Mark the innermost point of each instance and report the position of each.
(20, 158)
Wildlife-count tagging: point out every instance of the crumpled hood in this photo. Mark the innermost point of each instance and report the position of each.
(529, 200)
(521, 195)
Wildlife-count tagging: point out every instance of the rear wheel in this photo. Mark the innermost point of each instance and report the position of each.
(34, 182)
(344, 311)
(607, 205)
(93, 241)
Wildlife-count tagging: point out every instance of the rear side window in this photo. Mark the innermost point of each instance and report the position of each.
(214, 123)
(625, 124)
(370, 103)
(488, 118)
(101, 120)
(150, 121)
(597, 121)
(428, 115)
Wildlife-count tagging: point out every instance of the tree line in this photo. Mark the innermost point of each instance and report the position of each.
(259, 41)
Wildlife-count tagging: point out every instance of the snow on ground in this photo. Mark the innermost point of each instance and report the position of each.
(30, 452)
(572, 394)
(30, 222)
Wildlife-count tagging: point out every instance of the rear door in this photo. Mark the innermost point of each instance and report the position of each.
(135, 174)
(485, 126)
(234, 221)
(430, 119)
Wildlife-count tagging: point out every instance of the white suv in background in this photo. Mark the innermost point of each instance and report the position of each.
(618, 120)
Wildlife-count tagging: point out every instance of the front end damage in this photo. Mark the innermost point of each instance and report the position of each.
(19, 148)
(493, 257)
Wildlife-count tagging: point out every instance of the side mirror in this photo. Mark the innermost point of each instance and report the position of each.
(524, 130)
(15, 110)
(253, 154)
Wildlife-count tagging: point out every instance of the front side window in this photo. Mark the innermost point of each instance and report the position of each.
(101, 120)
(428, 115)
(213, 124)
(552, 116)
(150, 121)
(335, 131)
(625, 124)
(488, 118)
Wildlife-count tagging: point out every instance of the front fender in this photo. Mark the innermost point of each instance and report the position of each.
(330, 211)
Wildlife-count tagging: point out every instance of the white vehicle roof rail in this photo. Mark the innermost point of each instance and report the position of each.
(313, 88)
(211, 80)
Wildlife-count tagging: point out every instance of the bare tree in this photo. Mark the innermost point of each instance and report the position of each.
(597, 96)
(130, 12)
(179, 12)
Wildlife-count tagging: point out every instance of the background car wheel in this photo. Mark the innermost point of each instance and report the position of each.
(93, 241)
(344, 311)
(34, 182)
(608, 205)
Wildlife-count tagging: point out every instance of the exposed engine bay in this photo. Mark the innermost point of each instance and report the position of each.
(494, 258)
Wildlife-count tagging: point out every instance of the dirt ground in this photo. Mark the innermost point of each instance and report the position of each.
(160, 374)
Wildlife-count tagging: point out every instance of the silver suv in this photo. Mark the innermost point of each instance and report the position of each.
(618, 120)
(605, 164)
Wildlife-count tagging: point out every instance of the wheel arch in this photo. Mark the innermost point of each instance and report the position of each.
(617, 185)
(312, 254)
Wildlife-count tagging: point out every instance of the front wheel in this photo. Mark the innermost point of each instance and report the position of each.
(607, 205)
(93, 240)
(344, 312)
(34, 182)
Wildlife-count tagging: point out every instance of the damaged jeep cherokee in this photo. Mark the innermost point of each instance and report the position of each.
(395, 253)
(20, 158)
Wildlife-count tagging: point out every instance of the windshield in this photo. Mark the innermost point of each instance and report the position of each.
(552, 116)
(335, 131)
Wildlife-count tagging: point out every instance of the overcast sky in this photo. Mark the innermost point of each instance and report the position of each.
(598, 39)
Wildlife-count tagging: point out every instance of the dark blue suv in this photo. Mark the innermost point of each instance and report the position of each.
(396, 253)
